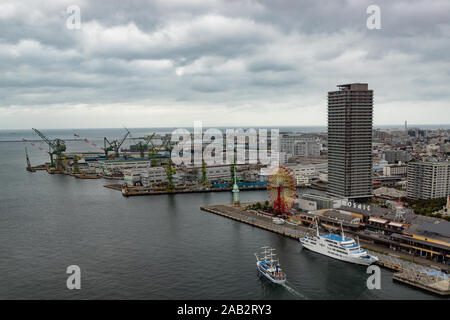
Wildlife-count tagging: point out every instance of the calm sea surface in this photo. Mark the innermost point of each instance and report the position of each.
(153, 247)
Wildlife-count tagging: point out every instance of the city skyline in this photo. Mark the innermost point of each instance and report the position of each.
(238, 63)
(283, 128)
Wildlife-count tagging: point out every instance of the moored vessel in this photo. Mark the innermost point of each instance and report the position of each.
(337, 247)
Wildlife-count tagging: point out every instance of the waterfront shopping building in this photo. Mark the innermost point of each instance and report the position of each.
(399, 229)
(350, 115)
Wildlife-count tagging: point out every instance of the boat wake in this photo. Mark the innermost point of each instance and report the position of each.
(293, 291)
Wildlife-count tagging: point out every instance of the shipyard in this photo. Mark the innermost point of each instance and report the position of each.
(297, 197)
(197, 156)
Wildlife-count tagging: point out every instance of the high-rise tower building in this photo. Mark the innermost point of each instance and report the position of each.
(350, 116)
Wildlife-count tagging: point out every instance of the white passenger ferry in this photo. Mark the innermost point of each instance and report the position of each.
(338, 247)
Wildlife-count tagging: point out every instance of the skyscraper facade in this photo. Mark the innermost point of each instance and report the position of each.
(350, 121)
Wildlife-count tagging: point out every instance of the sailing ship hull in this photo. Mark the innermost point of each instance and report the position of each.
(263, 272)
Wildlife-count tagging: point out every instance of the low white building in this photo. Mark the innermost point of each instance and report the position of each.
(124, 164)
(304, 173)
(299, 144)
(302, 169)
(148, 177)
(153, 176)
(132, 177)
(305, 205)
(379, 165)
(395, 170)
(302, 180)
(217, 173)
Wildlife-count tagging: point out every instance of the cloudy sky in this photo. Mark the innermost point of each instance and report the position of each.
(165, 63)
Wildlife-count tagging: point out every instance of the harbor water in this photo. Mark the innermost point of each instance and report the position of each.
(150, 247)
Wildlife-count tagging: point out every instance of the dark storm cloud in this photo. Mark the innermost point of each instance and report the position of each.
(223, 54)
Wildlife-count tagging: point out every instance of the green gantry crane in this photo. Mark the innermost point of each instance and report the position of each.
(169, 168)
(144, 146)
(114, 145)
(56, 147)
(153, 150)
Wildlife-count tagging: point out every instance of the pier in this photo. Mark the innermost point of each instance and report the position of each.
(419, 276)
(257, 220)
(146, 191)
(437, 285)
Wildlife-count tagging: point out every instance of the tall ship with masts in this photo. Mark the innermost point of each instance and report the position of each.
(269, 267)
(338, 247)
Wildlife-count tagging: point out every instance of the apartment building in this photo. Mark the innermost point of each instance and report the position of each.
(428, 180)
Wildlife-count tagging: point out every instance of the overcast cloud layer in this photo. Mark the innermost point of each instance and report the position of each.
(227, 63)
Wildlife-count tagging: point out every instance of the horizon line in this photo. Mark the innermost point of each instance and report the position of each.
(410, 126)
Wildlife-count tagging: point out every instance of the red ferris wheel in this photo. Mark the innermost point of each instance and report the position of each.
(281, 189)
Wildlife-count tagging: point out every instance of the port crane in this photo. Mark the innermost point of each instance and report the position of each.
(56, 147)
(29, 167)
(154, 150)
(114, 145)
(143, 146)
(170, 170)
(169, 167)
